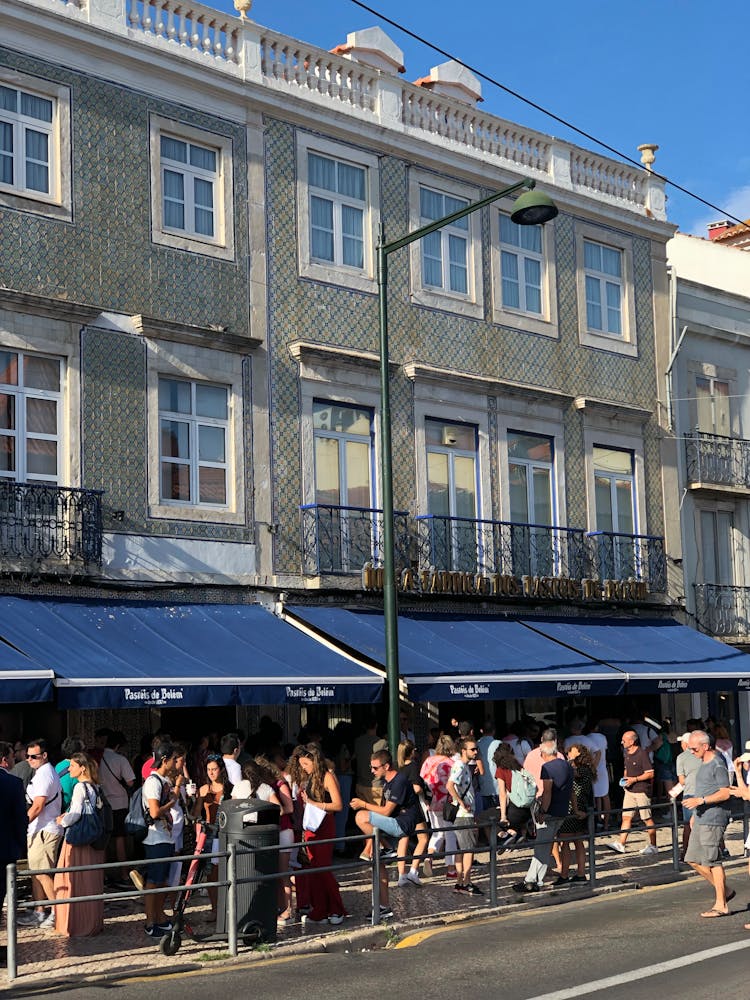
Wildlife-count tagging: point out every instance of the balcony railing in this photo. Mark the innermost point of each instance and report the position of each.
(718, 460)
(618, 556)
(722, 609)
(467, 545)
(342, 540)
(42, 523)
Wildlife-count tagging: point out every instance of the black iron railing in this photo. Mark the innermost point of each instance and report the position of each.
(718, 460)
(723, 609)
(342, 540)
(40, 522)
(618, 556)
(467, 545)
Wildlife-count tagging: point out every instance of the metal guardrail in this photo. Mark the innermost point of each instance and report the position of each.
(339, 540)
(42, 522)
(716, 460)
(723, 609)
(491, 826)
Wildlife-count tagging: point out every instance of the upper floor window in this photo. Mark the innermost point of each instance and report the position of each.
(444, 253)
(338, 199)
(26, 144)
(614, 488)
(530, 472)
(337, 205)
(193, 431)
(191, 189)
(189, 179)
(30, 402)
(606, 291)
(712, 402)
(603, 273)
(343, 454)
(521, 266)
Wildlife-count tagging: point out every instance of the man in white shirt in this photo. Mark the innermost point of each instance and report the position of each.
(116, 778)
(157, 798)
(230, 751)
(44, 836)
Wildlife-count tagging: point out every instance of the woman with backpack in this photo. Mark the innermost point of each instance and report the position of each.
(80, 919)
(515, 796)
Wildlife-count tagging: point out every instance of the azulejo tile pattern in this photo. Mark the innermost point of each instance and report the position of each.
(335, 316)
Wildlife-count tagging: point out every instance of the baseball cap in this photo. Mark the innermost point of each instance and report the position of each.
(744, 758)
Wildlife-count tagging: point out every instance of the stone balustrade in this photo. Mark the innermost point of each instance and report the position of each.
(278, 63)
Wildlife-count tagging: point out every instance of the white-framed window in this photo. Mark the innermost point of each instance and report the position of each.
(614, 490)
(453, 495)
(524, 275)
(446, 265)
(606, 298)
(712, 400)
(603, 277)
(191, 189)
(34, 145)
(445, 253)
(193, 446)
(717, 546)
(337, 208)
(31, 388)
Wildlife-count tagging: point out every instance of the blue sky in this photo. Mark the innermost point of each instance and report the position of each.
(667, 71)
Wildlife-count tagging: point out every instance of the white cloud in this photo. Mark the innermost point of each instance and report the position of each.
(736, 203)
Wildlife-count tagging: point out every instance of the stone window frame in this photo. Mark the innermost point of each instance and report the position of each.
(196, 364)
(546, 324)
(363, 279)
(221, 246)
(625, 343)
(58, 203)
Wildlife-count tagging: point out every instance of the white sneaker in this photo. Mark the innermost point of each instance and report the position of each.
(403, 880)
(336, 918)
(615, 845)
(649, 850)
(48, 922)
(413, 877)
(29, 918)
(427, 868)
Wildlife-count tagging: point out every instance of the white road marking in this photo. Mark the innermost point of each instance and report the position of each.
(645, 973)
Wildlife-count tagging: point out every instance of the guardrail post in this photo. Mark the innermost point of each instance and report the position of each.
(375, 879)
(11, 901)
(493, 860)
(232, 899)
(591, 821)
(675, 837)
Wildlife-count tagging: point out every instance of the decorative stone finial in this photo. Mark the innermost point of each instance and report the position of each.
(647, 151)
(243, 6)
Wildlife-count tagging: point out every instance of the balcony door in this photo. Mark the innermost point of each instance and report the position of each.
(452, 495)
(712, 406)
(347, 528)
(614, 488)
(530, 485)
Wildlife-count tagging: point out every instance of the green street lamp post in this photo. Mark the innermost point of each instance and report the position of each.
(531, 208)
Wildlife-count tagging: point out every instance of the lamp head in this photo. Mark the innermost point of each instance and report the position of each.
(533, 208)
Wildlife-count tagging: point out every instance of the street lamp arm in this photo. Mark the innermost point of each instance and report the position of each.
(431, 227)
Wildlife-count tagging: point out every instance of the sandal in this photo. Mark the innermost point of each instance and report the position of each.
(712, 914)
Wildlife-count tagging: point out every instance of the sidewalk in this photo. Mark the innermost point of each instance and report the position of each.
(123, 949)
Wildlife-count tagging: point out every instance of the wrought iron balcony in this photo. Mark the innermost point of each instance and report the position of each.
(467, 545)
(618, 556)
(340, 541)
(717, 460)
(723, 609)
(43, 526)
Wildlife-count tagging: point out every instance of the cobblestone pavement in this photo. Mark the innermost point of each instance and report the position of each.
(124, 949)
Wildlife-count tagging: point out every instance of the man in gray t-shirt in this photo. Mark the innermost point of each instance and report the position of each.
(687, 765)
(711, 805)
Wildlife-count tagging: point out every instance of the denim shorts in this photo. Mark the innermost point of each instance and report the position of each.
(158, 874)
(387, 824)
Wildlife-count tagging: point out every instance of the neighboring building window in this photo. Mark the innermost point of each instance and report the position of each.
(717, 531)
(603, 275)
(712, 398)
(26, 140)
(193, 431)
(521, 266)
(444, 253)
(30, 401)
(337, 212)
(338, 201)
(452, 495)
(191, 189)
(189, 181)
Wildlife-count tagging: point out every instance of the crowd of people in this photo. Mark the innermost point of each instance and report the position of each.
(530, 786)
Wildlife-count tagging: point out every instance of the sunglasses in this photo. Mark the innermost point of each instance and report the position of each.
(214, 758)
(34, 756)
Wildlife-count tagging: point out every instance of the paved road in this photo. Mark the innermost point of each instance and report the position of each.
(651, 944)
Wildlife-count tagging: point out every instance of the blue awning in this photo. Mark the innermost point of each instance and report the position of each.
(132, 655)
(21, 679)
(451, 657)
(658, 655)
